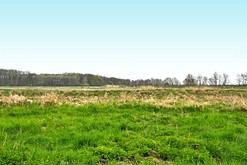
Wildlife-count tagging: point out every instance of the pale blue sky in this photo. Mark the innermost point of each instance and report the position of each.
(124, 38)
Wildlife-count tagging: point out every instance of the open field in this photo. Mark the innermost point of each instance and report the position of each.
(54, 88)
(136, 126)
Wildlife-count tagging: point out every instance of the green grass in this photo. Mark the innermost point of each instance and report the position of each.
(129, 133)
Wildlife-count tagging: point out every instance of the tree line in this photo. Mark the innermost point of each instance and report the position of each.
(20, 78)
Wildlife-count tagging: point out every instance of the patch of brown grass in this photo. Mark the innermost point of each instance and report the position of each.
(49, 99)
(13, 99)
(239, 102)
(198, 98)
(147, 87)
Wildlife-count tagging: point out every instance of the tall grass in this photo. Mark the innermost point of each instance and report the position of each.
(197, 97)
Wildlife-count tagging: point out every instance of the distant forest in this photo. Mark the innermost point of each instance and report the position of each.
(20, 78)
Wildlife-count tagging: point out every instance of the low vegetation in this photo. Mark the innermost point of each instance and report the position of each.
(135, 126)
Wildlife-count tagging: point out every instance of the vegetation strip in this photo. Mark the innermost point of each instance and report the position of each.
(128, 127)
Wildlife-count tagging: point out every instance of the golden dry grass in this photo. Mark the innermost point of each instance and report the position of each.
(49, 99)
(197, 98)
(13, 99)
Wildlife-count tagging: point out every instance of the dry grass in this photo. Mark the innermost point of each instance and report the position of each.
(147, 87)
(238, 101)
(49, 99)
(14, 99)
(197, 98)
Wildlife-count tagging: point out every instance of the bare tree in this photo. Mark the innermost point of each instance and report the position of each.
(220, 80)
(168, 81)
(175, 81)
(171, 81)
(215, 78)
(199, 79)
(211, 81)
(225, 79)
(238, 79)
(190, 80)
(205, 80)
(244, 79)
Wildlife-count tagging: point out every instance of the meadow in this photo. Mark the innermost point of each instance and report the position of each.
(196, 125)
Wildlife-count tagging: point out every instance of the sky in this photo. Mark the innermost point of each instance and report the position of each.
(136, 39)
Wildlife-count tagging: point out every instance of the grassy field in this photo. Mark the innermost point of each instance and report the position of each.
(140, 126)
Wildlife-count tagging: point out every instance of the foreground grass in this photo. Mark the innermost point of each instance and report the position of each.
(128, 133)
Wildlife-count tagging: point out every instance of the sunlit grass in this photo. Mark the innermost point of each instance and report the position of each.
(128, 133)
